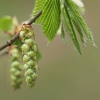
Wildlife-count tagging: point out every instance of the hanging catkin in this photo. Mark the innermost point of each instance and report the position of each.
(29, 50)
(15, 68)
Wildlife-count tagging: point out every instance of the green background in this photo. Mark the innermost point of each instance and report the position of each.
(64, 74)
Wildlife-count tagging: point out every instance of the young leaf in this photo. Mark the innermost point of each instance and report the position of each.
(70, 29)
(51, 18)
(78, 27)
(79, 17)
(6, 23)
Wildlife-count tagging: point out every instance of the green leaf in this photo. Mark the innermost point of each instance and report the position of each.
(38, 7)
(78, 27)
(70, 29)
(79, 17)
(51, 18)
(6, 23)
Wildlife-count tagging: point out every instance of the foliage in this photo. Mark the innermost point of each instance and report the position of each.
(63, 16)
(6, 23)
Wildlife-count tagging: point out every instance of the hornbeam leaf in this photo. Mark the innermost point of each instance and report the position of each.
(6, 23)
(51, 18)
(78, 27)
(79, 17)
(70, 29)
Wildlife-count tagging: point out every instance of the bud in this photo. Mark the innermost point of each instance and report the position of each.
(18, 73)
(19, 81)
(14, 57)
(22, 35)
(29, 42)
(31, 63)
(34, 75)
(14, 78)
(28, 79)
(36, 68)
(14, 51)
(31, 54)
(15, 64)
(32, 84)
(29, 34)
(29, 72)
(35, 58)
(25, 66)
(13, 70)
(35, 48)
(26, 58)
(25, 48)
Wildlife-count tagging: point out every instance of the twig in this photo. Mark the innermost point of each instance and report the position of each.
(9, 42)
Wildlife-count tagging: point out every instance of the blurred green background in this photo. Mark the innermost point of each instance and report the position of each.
(64, 74)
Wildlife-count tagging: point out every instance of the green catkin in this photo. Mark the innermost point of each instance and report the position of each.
(29, 50)
(15, 69)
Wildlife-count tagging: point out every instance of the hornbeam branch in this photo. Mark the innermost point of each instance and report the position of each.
(9, 42)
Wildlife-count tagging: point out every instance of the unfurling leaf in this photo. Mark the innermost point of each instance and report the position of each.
(6, 23)
(66, 13)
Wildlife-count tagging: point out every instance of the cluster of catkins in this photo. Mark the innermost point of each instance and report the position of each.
(29, 50)
(15, 68)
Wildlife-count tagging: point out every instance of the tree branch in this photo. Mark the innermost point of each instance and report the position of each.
(9, 42)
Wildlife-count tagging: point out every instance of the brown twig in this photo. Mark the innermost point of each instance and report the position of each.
(9, 42)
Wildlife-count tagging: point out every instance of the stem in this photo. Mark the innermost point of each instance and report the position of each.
(9, 42)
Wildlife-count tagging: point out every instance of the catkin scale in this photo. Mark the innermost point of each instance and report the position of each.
(25, 48)
(31, 54)
(29, 50)
(26, 58)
